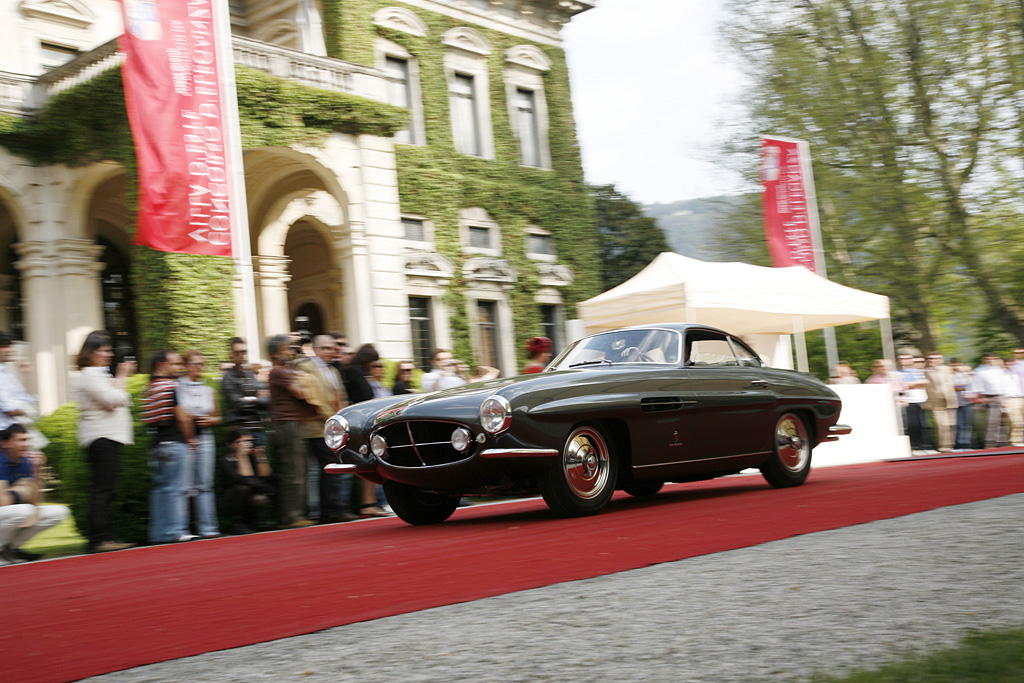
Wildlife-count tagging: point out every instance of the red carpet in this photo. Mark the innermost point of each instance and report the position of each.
(68, 619)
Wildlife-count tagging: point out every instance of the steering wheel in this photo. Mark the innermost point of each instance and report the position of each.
(631, 355)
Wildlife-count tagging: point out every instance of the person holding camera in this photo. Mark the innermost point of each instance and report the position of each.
(443, 366)
(104, 425)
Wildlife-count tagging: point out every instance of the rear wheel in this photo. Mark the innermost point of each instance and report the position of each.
(584, 480)
(643, 488)
(417, 506)
(791, 461)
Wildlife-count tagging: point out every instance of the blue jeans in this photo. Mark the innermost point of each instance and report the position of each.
(199, 485)
(168, 506)
(963, 427)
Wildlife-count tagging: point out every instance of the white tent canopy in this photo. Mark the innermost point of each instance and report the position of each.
(736, 297)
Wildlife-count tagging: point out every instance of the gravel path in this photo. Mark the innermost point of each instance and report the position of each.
(774, 612)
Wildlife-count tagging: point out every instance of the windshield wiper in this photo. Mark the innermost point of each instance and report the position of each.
(593, 361)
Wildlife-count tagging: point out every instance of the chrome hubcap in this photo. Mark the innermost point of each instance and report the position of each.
(791, 443)
(585, 463)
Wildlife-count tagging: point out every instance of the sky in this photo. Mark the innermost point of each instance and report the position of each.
(651, 86)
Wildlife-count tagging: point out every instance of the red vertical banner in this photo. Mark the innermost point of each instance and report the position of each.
(790, 213)
(172, 93)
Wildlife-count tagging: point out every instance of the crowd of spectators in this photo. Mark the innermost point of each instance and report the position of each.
(949, 407)
(194, 484)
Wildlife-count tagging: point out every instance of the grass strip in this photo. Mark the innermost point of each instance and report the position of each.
(995, 656)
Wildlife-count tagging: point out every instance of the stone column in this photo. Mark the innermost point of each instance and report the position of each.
(81, 272)
(272, 278)
(43, 313)
(6, 301)
(60, 283)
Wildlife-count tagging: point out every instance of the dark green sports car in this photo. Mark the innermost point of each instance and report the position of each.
(629, 409)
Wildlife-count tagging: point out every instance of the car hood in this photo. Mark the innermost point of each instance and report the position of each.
(463, 402)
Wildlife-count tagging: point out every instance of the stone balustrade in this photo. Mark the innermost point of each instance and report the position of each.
(19, 93)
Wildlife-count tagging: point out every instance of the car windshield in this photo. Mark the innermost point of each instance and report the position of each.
(661, 347)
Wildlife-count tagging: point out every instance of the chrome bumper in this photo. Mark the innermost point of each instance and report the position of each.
(343, 468)
(499, 453)
(835, 431)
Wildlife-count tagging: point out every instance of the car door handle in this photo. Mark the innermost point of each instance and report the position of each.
(759, 383)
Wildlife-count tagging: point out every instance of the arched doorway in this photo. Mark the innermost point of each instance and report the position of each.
(313, 287)
(310, 318)
(297, 215)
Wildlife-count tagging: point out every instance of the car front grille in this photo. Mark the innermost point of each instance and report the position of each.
(422, 442)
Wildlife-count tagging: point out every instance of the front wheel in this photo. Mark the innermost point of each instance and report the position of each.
(584, 480)
(790, 462)
(417, 506)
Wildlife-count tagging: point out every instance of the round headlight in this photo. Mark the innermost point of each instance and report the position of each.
(336, 432)
(378, 446)
(495, 414)
(461, 439)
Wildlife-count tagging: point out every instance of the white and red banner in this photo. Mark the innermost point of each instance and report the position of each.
(171, 86)
(790, 210)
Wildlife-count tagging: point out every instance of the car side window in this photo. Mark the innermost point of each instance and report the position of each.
(747, 358)
(716, 352)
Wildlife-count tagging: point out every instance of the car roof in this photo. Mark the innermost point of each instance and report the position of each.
(675, 327)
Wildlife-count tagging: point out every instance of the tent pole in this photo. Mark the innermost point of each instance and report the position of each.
(888, 346)
(831, 349)
(801, 343)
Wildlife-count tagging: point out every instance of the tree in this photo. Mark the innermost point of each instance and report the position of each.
(628, 240)
(914, 112)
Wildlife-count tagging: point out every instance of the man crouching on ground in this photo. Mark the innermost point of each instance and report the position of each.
(21, 514)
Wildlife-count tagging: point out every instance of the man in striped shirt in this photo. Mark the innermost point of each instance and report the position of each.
(173, 442)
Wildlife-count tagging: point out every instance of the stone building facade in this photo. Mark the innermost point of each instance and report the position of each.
(470, 227)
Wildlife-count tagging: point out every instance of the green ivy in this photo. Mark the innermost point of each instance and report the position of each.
(186, 301)
(87, 123)
(436, 181)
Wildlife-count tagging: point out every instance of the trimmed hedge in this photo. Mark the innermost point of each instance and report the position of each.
(131, 497)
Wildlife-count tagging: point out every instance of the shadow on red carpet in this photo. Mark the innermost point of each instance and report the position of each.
(76, 617)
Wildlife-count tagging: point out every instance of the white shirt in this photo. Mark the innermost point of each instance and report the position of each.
(12, 396)
(104, 408)
(990, 380)
(428, 382)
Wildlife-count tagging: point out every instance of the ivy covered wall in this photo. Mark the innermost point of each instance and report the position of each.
(436, 181)
(184, 301)
(88, 123)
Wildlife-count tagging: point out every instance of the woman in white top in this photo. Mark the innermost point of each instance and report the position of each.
(104, 425)
(197, 399)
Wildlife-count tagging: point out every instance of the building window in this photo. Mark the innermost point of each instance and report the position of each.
(527, 127)
(56, 55)
(549, 327)
(399, 92)
(402, 73)
(479, 237)
(465, 124)
(414, 229)
(487, 333)
(540, 245)
(422, 331)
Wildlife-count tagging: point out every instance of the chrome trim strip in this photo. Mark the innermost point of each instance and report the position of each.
(684, 462)
(412, 441)
(495, 453)
(344, 468)
(840, 430)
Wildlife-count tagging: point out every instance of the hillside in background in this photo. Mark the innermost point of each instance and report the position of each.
(693, 227)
